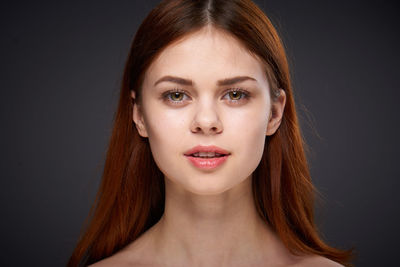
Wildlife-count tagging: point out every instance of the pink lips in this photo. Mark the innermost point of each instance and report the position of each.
(207, 163)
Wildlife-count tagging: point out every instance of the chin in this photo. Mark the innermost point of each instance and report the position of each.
(207, 191)
(205, 186)
(209, 187)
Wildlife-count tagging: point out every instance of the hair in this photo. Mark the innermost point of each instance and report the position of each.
(131, 196)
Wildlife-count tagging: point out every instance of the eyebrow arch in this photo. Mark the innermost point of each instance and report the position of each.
(174, 79)
(224, 82)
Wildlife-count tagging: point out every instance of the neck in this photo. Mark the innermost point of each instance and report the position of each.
(216, 230)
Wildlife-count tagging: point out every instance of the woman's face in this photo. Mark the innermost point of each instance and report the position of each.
(206, 90)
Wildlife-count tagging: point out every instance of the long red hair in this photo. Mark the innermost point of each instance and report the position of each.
(131, 196)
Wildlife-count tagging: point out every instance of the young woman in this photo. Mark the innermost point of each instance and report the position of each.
(206, 165)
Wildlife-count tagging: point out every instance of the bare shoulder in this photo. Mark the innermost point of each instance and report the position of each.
(317, 261)
(137, 254)
(124, 258)
(119, 259)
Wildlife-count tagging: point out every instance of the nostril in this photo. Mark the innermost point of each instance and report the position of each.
(206, 127)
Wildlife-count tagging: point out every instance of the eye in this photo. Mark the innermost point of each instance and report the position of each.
(176, 97)
(236, 95)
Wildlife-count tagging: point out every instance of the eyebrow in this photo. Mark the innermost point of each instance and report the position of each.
(224, 82)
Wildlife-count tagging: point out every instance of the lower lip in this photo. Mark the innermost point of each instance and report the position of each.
(207, 163)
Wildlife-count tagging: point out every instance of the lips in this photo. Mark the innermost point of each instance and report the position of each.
(208, 151)
(207, 157)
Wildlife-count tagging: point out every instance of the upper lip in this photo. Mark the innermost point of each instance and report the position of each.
(214, 149)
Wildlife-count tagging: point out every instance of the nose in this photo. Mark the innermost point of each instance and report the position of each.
(206, 120)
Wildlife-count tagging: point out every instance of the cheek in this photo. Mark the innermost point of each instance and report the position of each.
(166, 131)
(249, 121)
(162, 123)
(246, 132)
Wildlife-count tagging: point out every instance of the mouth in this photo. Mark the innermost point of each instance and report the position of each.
(207, 157)
(207, 152)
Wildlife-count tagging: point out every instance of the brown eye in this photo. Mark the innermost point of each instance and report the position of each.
(235, 95)
(176, 96)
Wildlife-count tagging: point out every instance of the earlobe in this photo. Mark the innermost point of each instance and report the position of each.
(137, 117)
(276, 113)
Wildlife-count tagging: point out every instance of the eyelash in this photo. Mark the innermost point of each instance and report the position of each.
(245, 95)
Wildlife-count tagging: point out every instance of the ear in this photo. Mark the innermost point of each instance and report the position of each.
(276, 113)
(138, 117)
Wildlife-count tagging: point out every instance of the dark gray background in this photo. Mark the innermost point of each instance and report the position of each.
(61, 67)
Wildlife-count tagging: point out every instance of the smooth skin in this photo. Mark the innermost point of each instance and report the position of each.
(210, 217)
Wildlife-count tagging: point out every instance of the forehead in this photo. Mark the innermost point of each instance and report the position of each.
(206, 55)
